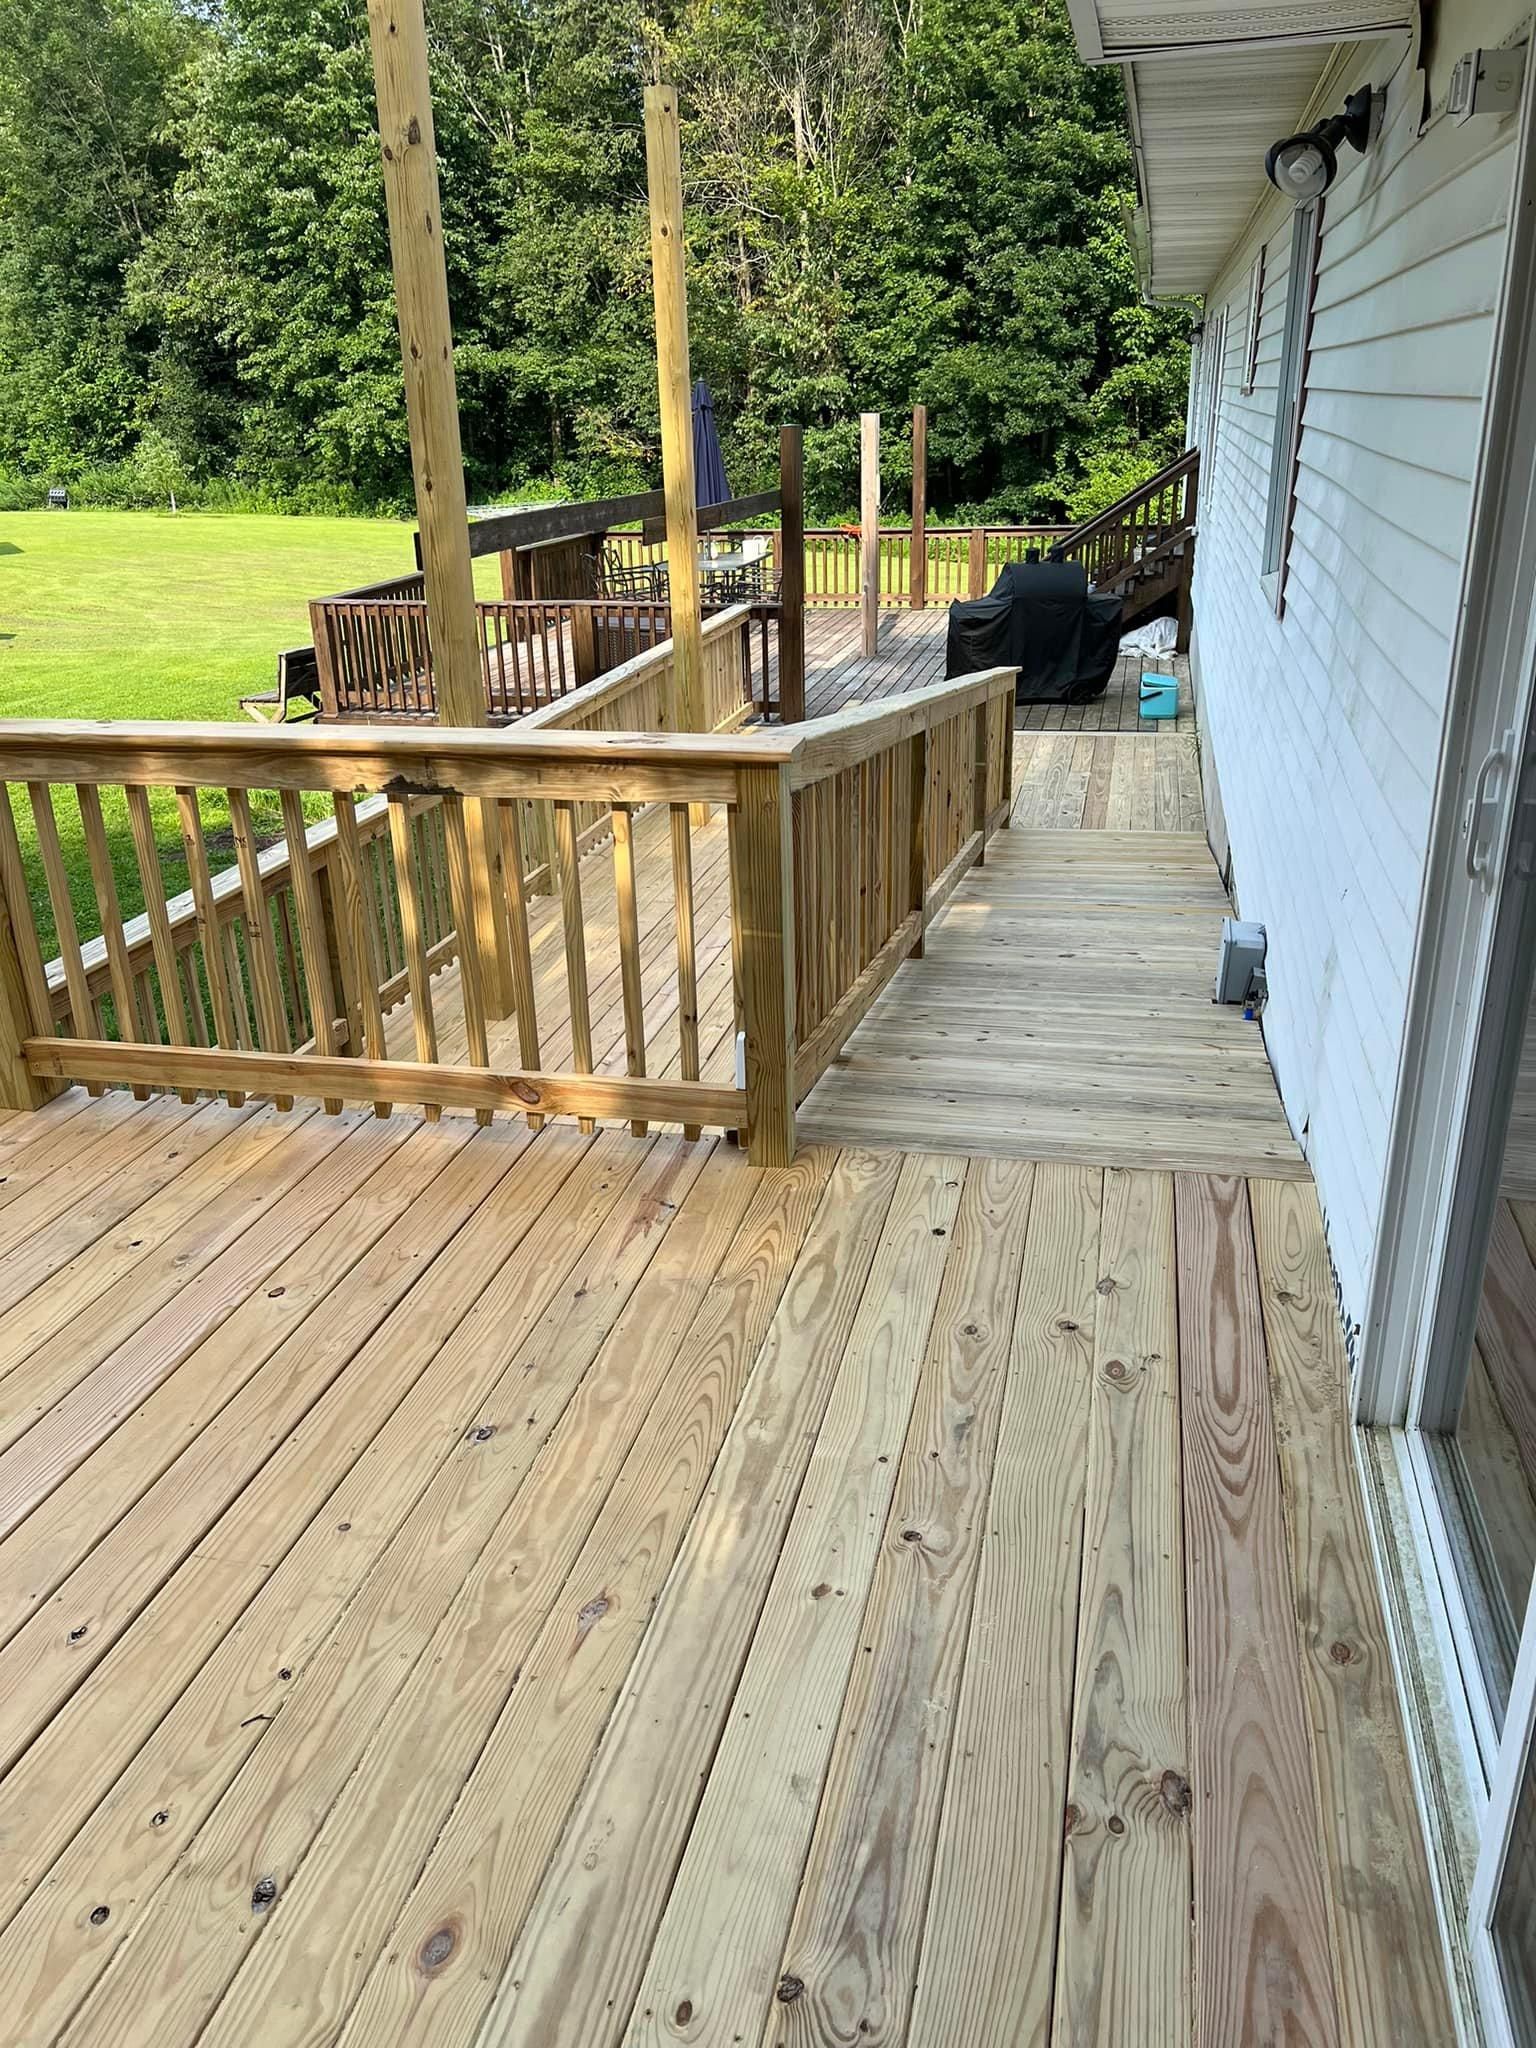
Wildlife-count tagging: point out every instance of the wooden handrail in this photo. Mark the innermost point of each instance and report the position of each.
(1114, 516)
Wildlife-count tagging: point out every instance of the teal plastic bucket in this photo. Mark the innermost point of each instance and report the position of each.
(1159, 696)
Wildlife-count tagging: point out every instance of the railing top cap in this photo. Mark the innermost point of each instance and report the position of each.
(164, 752)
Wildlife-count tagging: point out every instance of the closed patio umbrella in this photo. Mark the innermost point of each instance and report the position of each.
(710, 487)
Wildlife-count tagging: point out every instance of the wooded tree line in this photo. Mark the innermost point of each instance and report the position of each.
(889, 201)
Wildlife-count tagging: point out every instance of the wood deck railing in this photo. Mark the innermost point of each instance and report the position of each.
(374, 654)
(276, 977)
(962, 561)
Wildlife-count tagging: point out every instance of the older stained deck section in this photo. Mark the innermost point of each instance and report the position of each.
(911, 653)
(586, 1588)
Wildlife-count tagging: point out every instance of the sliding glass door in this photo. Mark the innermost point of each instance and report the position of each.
(1473, 1423)
(1479, 1411)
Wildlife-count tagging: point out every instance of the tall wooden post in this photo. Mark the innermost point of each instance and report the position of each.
(869, 531)
(918, 575)
(792, 574)
(408, 147)
(664, 175)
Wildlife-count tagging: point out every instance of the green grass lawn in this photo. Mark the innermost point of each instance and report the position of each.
(150, 615)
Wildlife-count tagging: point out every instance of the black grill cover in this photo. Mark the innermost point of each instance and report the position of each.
(1039, 618)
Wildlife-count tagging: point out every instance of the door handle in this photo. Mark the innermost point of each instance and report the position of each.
(1479, 848)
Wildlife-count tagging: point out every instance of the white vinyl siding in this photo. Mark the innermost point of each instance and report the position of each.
(1325, 724)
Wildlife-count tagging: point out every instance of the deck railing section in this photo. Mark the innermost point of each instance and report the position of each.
(277, 976)
(962, 561)
(890, 806)
(375, 658)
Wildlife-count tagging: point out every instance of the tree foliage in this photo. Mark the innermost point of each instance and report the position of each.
(888, 201)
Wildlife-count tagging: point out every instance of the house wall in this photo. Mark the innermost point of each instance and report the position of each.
(1324, 724)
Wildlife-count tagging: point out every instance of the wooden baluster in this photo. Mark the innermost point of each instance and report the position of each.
(289, 978)
(237, 975)
(147, 853)
(24, 996)
(271, 1013)
(192, 990)
(208, 928)
(575, 945)
(352, 913)
(98, 856)
(317, 959)
(628, 918)
(687, 957)
(471, 976)
(763, 937)
(81, 1008)
(340, 959)
(408, 895)
(522, 959)
(542, 833)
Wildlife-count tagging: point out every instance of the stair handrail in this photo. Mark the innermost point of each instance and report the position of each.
(1116, 516)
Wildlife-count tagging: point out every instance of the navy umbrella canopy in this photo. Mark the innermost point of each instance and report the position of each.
(709, 485)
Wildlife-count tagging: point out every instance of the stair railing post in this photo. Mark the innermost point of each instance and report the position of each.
(763, 945)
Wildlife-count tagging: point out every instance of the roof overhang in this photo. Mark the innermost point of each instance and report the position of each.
(1121, 31)
(1208, 88)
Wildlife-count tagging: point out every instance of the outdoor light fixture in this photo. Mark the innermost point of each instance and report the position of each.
(1304, 166)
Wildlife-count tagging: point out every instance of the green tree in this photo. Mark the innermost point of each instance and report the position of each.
(88, 154)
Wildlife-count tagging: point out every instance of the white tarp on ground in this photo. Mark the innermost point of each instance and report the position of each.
(1157, 636)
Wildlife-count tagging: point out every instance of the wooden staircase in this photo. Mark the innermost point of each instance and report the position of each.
(1141, 549)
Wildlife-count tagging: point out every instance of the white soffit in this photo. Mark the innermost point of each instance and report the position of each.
(1201, 126)
(1114, 31)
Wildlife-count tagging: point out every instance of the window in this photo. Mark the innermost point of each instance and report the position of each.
(1288, 399)
(1255, 314)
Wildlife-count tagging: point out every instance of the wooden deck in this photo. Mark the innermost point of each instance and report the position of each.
(911, 653)
(593, 1589)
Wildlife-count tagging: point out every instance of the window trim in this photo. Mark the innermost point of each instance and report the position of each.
(1255, 316)
(1210, 395)
(1290, 399)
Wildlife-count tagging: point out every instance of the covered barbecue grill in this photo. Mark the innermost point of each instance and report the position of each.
(1040, 618)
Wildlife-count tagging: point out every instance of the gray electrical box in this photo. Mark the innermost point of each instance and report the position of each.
(1240, 970)
(1486, 82)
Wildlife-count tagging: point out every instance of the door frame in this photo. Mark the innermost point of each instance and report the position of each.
(1476, 937)
(1490, 691)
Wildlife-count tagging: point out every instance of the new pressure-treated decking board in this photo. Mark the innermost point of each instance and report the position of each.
(858, 1922)
(986, 1975)
(1263, 1970)
(1389, 1983)
(1122, 1969)
(724, 1928)
(542, 1609)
